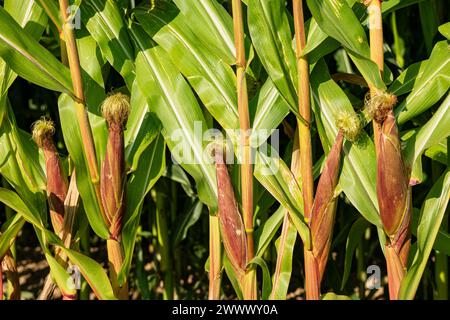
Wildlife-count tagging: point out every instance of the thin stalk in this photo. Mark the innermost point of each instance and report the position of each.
(312, 282)
(306, 167)
(304, 110)
(395, 272)
(376, 49)
(249, 290)
(80, 104)
(57, 22)
(115, 260)
(215, 259)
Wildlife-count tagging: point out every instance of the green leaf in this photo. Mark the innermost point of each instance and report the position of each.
(62, 278)
(150, 167)
(10, 230)
(213, 26)
(21, 165)
(92, 62)
(333, 296)
(170, 97)
(318, 39)
(175, 173)
(272, 39)
(104, 21)
(265, 233)
(212, 79)
(358, 175)
(266, 283)
(399, 43)
(91, 270)
(336, 18)
(29, 15)
(430, 87)
(432, 213)
(429, 22)
(406, 80)
(12, 200)
(276, 177)
(29, 59)
(269, 109)
(52, 9)
(187, 221)
(283, 271)
(231, 276)
(394, 5)
(33, 20)
(93, 273)
(445, 30)
(431, 133)
(438, 152)
(353, 240)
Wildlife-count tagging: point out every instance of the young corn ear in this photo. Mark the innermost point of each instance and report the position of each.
(392, 181)
(393, 192)
(115, 110)
(324, 207)
(231, 225)
(57, 184)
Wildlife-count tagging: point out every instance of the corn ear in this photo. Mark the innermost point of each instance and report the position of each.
(231, 225)
(392, 181)
(115, 110)
(324, 208)
(394, 199)
(57, 183)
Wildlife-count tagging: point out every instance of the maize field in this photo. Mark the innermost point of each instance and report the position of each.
(224, 149)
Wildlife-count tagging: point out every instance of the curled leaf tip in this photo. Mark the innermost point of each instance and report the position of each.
(350, 125)
(379, 104)
(116, 109)
(42, 131)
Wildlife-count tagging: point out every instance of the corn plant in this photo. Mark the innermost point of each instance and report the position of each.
(179, 148)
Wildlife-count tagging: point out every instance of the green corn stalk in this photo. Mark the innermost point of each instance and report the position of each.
(246, 169)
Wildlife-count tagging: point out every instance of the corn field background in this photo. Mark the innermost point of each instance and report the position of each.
(224, 149)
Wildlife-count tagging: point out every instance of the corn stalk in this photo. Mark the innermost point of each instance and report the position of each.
(80, 104)
(249, 291)
(311, 272)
